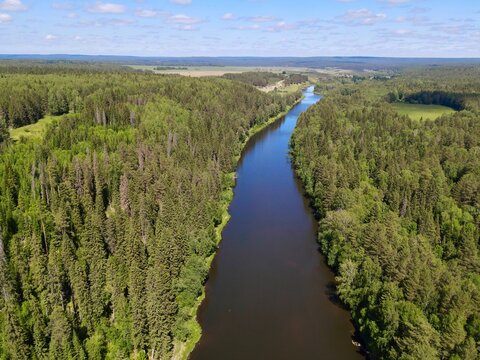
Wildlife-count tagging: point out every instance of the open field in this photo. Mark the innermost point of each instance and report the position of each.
(293, 87)
(272, 87)
(195, 71)
(33, 131)
(420, 111)
(202, 71)
(286, 89)
(199, 71)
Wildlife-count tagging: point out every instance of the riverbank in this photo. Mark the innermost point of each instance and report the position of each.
(267, 293)
(183, 349)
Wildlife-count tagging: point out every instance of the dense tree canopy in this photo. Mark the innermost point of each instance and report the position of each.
(296, 79)
(399, 208)
(255, 78)
(105, 225)
(265, 78)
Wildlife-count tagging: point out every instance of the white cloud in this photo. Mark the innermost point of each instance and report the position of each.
(5, 18)
(107, 8)
(415, 20)
(282, 26)
(396, 2)
(262, 18)
(150, 13)
(228, 16)
(362, 17)
(78, 38)
(50, 37)
(181, 2)
(147, 13)
(402, 32)
(186, 27)
(247, 27)
(12, 5)
(184, 19)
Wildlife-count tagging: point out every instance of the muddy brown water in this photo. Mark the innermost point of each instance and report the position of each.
(269, 292)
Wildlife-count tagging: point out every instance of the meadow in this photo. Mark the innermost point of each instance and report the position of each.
(33, 131)
(421, 111)
(201, 71)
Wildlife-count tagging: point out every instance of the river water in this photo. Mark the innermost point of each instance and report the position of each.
(269, 292)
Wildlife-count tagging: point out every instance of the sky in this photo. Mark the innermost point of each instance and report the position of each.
(396, 28)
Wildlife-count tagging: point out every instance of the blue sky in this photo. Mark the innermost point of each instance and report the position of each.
(415, 28)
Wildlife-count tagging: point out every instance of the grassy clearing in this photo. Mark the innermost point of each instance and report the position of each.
(420, 111)
(34, 131)
(293, 87)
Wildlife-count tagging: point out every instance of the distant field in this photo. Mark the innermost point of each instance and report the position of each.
(195, 71)
(33, 131)
(419, 111)
(199, 71)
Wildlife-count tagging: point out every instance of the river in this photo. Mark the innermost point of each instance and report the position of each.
(269, 292)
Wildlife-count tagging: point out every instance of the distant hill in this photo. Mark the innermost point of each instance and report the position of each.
(353, 63)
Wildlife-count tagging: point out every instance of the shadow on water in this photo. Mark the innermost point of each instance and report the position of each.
(331, 292)
(270, 294)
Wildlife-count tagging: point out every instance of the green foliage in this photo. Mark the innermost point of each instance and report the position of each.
(420, 111)
(447, 99)
(34, 131)
(108, 218)
(296, 79)
(265, 78)
(4, 135)
(256, 78)
(399, 208)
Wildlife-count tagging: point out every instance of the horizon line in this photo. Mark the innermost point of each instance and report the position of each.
(240, 56)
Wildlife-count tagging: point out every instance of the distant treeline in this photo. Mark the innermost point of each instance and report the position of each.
(265, 78)
(171, 68)
(61, 67)
(455, 87)
(344, 62)
(255, 78)
(398, 203)
(454, 101)
(106, 224)
(295, 79)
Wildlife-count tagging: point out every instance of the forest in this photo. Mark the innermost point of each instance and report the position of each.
(265, 78)
(398, 205)
(106, 222)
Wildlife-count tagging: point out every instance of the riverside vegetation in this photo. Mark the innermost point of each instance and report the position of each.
(109, 212)
(398, 202)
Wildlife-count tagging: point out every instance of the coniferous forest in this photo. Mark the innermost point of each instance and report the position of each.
(239, 180)
(109, 219)
(398, 203)
(106, 222)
